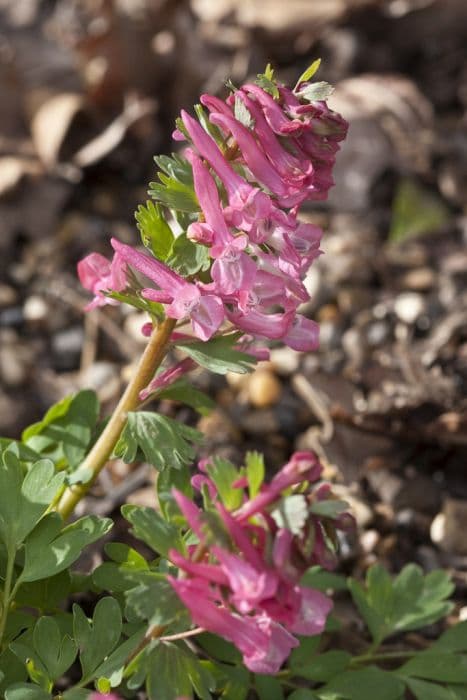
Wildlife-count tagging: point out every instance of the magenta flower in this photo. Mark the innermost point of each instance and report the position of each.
(249, 591)
(168, 377)
(98, 275)
(184, 299)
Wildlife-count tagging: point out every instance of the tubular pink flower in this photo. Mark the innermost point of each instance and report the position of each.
(234, 184)
(169, 376)
(303, 466)
(97, 275)
(257, 161)
(249, 586)
(313, 612)
(184, 298)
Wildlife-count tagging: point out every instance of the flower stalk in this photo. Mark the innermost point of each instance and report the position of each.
(100, 453)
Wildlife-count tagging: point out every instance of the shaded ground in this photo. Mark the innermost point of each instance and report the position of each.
(89, 92)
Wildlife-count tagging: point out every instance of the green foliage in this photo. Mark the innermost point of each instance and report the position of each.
(409, 602)
(188, 258)
(184, 392)
(24, 498)
(255, 472)
(175, 189)
(415, 211)
(266, 81)
(219, 354)
(309, 72)
(164, 442)
(64, 434)
(150, 527)
(155, 232)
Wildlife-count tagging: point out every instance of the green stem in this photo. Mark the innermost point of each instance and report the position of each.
(100, 453)
(382, 656)
(7, 592)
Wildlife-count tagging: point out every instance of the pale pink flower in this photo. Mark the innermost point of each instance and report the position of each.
(99, 275)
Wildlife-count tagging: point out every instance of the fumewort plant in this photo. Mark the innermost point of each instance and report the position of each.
(230, 593)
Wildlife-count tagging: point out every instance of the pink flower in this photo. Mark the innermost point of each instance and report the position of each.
(183, 299)
(97, 275)
(168, 377)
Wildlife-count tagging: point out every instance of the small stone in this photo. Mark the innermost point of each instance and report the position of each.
(449, 527)
(409, 306)
(8, 295)
(13, 372)
(35, 309)
(419, 280)
(66, 346)
(264, 388)
(368, 540)
(377, 333)
(285, 361)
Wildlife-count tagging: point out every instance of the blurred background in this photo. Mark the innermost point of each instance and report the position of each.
(89, 90)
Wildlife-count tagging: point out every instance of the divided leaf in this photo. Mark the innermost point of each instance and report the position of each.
(164, 442)
(219, 354)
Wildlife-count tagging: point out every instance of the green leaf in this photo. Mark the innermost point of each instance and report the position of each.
(176, 166)
(307, 649)
(324, 667)
(416, 211)
(322, 580)
(454, 639)
(315, 92)
(76, 694)
(188, 258)
(219, 648)
(168, 677)
(153, 600)
(302, 694)
(26, 691)
(186, 393)
(428, 691)
(410, 602)
(114, 665)
(309, 72)
(23, 452)
(96, 639)
(291, 513)
(12, 670)
(166, 443)
(224, 474)
(155, 232)
(174, 194)
(49, 549)
(436, 666)
(24, 501)
(329, 509)
(65, 431)
(365, 684)
(265, 81)
(255, 472)
(150, 527)
(56, 652)
(268, 688)
(219, 355)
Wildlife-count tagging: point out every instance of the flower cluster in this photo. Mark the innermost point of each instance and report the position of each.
(255, 158)
(242, 580)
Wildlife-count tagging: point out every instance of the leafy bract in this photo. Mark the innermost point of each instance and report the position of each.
(164, 442)
(219, 354)
(155, 232)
